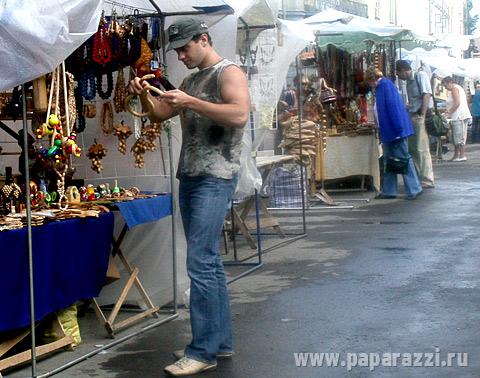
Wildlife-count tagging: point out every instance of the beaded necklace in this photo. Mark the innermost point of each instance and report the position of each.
(120, 92)
(131, 47)
(105, 94)
(102, 52)
(87, 86)
(80, 125)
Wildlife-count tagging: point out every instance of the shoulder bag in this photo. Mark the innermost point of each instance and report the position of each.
(435, 123)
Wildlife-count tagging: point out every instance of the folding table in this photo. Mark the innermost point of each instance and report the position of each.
(134, 212)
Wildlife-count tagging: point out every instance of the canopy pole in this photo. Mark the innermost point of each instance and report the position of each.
(29, 233)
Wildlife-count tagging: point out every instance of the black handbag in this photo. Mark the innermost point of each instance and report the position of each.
(397, 165)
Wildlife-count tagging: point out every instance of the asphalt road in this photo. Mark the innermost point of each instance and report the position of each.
(391, 282)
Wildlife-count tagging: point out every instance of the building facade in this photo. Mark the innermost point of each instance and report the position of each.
(427, 17)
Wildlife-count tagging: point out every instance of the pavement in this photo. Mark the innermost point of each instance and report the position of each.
(390, 287)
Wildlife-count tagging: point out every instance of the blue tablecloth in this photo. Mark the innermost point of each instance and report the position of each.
(145, 210)
(70, 260)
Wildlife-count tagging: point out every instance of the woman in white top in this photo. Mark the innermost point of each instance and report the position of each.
(459, 114)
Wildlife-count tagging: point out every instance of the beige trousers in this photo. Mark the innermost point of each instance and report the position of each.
(419, 148)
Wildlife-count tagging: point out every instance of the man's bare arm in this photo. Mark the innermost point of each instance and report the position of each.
(425, 103)
(234, 110)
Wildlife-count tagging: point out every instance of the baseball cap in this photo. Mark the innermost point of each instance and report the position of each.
(183, 30)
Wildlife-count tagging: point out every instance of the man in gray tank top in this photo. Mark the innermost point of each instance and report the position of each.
(213, 105)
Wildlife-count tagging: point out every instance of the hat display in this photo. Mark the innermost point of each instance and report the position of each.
(183, 30)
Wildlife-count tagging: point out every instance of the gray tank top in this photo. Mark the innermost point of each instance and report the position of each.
(207, 147)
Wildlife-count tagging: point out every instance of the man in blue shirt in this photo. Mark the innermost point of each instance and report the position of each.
(475, 110)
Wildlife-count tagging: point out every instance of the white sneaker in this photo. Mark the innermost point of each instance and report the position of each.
(188, 366)
(178, 354)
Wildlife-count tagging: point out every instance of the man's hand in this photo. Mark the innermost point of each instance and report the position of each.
(159, 110)
(176, 99)
(136, 85)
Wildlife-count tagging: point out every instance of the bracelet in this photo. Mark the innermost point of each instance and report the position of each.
(106, 118)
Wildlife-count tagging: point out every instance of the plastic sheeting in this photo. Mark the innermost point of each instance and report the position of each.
(36, 36)
(249, 177)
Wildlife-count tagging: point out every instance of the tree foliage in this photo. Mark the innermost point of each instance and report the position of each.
(470, 22)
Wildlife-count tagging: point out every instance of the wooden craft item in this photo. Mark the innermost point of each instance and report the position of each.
(122, 132)
(40, 96)
(96, 153)
(145, 100)
(72, 194)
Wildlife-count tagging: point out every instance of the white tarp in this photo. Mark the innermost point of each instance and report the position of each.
(36, 36)
(442, 64)
(169, 7)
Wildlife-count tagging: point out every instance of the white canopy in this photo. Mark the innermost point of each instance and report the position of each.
(170, 7)
(444, 65)
(255, 13)
(350, 32)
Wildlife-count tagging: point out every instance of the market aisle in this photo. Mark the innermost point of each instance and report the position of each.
(391, 276)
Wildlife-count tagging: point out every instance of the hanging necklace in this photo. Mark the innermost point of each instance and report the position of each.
(80, 125)
(120, 91)
(72, 106)
(105, 94)
(102, 53)
(87, 86)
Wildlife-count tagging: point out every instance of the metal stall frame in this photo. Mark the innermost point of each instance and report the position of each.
(175, 314)
(260, 251)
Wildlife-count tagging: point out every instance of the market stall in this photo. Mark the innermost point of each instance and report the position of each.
(336, 107)
(112, 165)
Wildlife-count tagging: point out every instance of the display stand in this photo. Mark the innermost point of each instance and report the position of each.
(134, 212)
(325, 157)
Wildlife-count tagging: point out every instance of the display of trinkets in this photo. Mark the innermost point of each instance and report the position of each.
(139, 148)
(10, 193)
(96, 153)
(122, 132)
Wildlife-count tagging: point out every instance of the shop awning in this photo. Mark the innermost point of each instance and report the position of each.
(352, 32)
(444, 65)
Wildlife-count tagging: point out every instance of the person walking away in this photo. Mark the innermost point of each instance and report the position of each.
(459, 115)
(475, 110)
(419, 93)
(213, 104)
(395, 128)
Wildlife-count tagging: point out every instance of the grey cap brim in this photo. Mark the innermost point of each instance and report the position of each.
(179, 43)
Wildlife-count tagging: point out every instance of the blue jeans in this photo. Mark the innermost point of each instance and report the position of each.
(204, 201)
(399, 148)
